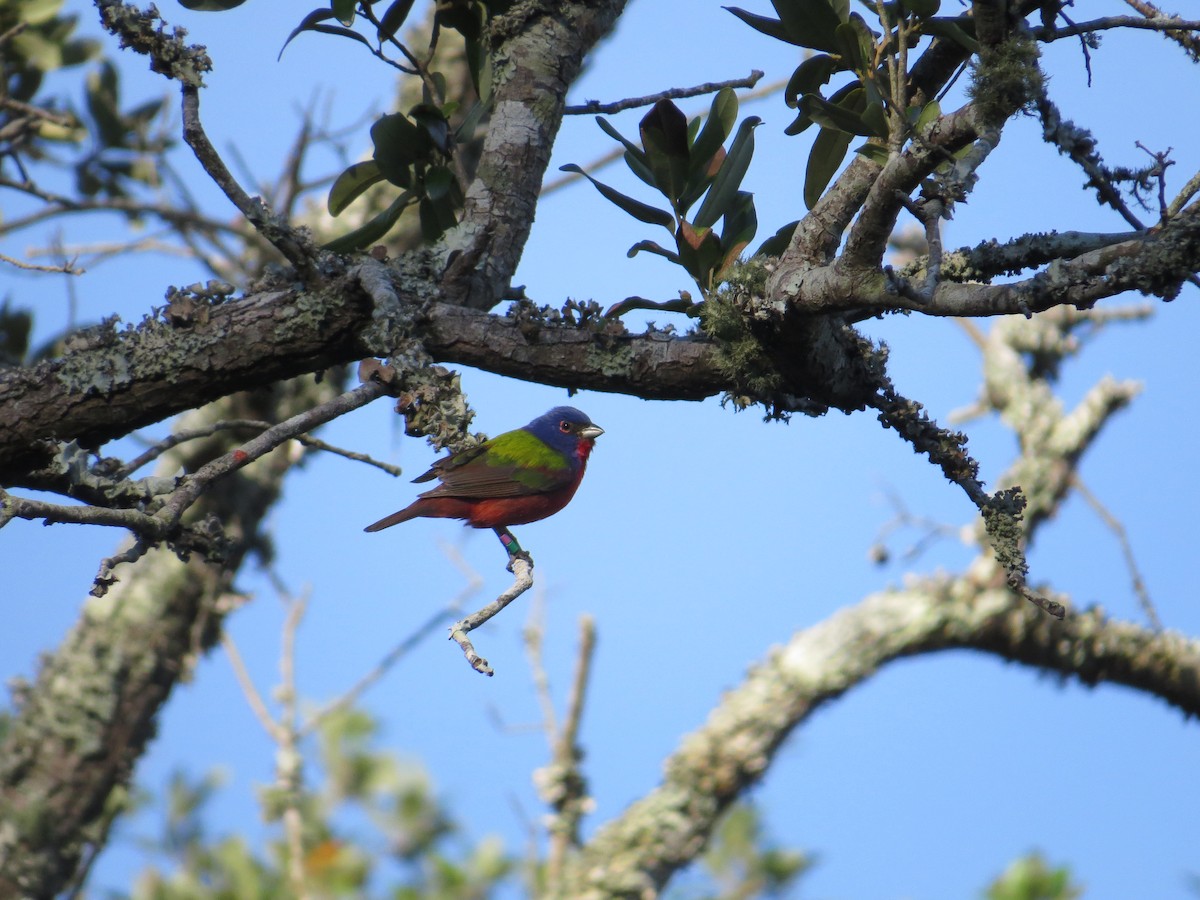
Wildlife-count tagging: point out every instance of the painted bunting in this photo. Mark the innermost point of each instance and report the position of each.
(517, 477)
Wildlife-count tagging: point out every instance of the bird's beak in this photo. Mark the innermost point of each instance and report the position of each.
(591, 432)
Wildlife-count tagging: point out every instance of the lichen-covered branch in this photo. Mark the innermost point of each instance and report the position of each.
(635, 854)
(539, 50)
(77, 731)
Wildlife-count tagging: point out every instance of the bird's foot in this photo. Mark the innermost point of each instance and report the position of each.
(519, 554)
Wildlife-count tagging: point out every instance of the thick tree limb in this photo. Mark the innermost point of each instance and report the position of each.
(539, 52)
(77, 732)
(123, 380)
(636, 854)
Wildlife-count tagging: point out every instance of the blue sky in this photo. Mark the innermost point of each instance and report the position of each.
(704, 530)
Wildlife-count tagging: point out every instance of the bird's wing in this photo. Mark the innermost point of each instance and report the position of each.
(514, 464)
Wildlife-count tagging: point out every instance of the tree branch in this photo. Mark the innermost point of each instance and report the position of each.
(638, 852)
(709, 87)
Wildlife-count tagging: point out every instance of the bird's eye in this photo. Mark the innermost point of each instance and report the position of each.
(564, 426)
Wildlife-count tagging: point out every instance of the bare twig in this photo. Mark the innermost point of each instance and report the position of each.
(710, 87)
(1119, 532)
(289, 762)
(1189, 42)
(180, 437)
(564, 783)
(249, 690)
(193, 486)
(522, 569)
(474, 583)
(63, 269)
(534, 633)
(1174, 27)
(282, 236)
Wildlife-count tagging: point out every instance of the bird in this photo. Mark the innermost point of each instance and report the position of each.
(515, 478)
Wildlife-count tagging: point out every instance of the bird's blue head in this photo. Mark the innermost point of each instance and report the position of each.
(564, 428)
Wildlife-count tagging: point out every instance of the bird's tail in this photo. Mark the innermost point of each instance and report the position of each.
(409, 512)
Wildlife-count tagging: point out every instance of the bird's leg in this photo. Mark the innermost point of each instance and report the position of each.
(511, 545)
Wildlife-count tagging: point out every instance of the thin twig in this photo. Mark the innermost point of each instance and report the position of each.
(474, 583)
(63, 269)
(522, 569)
(571, 788)
(1159, 22)
(710, 87)
(1118, 529)
(289, 762)
(255, 699)
(193, 486)
(535, 631)
(1189, 42)
(285, 239)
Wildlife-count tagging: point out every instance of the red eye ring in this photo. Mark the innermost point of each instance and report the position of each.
(564, 426)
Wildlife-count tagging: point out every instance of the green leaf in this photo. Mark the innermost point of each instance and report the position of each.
(351, 184)
(664, 138)
(930, 113)
(80, 50)
(652, 247)
(811, 23)
(809, 76)
(637, 165)
(437, 217)
(699, 253)
(952, 30)
(398, 144)
(342, 32)
(770, 27)
(834, 115)
(717, 127)
(479, 61)
(778, 242)
(393, 18)
(877, 153)
(37, 12)
(465, 133)
(707, 153)
(630, 147)
(344, 10)
(738, 229)
(210, 5)
(643, 212)
(682, 305)
(857, 43)
(103, 89)
(439, 182)
(725, 186)
(374, 229)
(799, 124)
(431, 120)
(875, 119)
(922, 8)
(308, 23)
(828, 151)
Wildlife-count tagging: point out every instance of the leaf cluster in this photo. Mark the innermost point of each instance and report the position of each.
(360, 783)
(127, 143)
(686, 162)
(36, 40)
(414, 150)
(868, 105)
